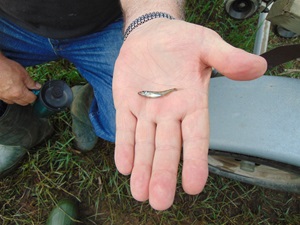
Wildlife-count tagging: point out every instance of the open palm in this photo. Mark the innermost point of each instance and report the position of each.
(150, 133)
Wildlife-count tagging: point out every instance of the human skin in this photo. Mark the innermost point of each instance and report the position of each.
(15, 83)
(152, 134)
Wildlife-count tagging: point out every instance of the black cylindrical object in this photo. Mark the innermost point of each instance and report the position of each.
(242, 9)
(53, 97)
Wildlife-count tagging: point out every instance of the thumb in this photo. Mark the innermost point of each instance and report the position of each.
(234, 63)
(31, 84)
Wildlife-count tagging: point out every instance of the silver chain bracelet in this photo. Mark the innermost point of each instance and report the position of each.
(145, 18)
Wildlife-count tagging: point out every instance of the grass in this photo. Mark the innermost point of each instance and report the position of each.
(57, 170)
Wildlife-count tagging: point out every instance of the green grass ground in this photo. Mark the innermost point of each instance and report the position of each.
(57, 170)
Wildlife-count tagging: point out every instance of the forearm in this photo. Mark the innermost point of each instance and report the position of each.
(135, 8)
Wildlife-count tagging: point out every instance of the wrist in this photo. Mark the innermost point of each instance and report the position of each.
(144, 19)
(132, 9)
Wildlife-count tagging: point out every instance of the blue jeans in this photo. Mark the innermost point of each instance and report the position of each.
(93, 55)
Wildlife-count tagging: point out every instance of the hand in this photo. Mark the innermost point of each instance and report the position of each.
(15, 83)
(160, 55)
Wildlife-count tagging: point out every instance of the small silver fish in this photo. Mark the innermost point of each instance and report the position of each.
(156, 94)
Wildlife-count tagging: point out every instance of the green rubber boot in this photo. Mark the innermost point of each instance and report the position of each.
(10, 156)
(82, 128)
(65, 213)
(20, 130)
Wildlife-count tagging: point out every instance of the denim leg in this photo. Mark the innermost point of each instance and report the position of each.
(24, 47)
(94, 56)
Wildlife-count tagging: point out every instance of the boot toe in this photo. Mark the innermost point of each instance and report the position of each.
(65, 213)
(85, 137)
(10, 157)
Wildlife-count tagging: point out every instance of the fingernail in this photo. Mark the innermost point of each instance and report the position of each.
(38, 85)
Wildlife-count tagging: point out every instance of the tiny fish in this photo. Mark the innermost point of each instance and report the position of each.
(156, 94)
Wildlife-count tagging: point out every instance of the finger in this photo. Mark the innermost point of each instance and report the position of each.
(165, 164)
(30, 83)
(195, 133)
(144, 151)
(19, 94)
(8, 102)
(27, 97)
(23, 101)
(18, 102)
(125, 138)
(22, 96)
(232, 62)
